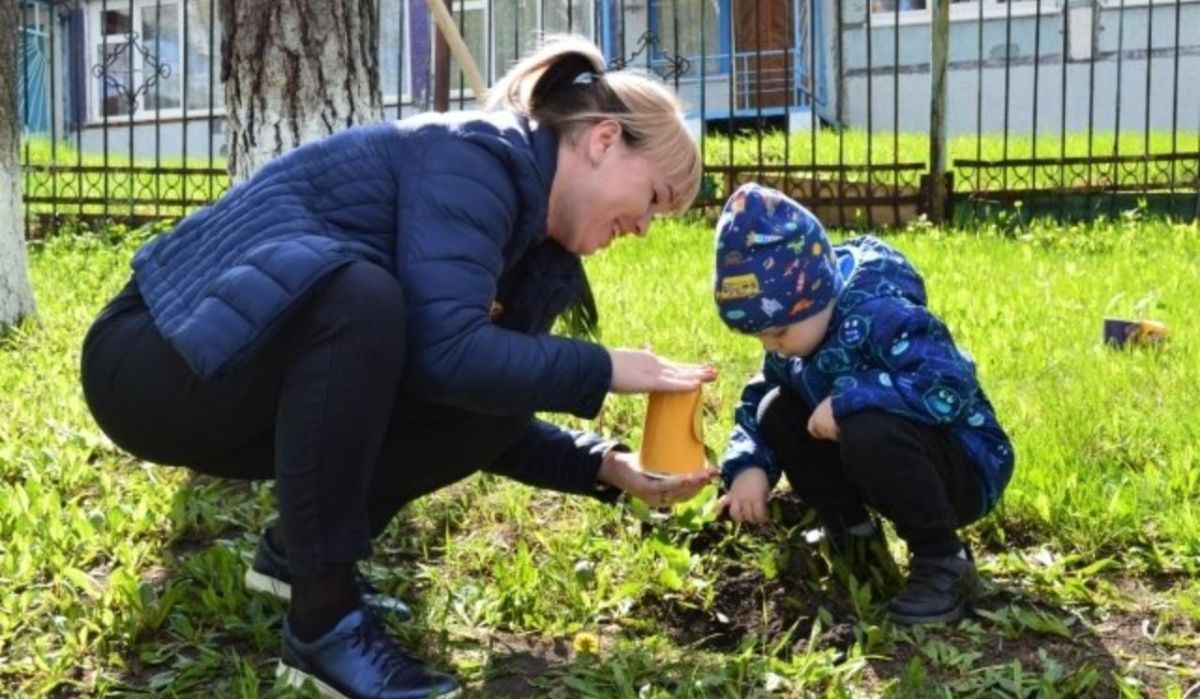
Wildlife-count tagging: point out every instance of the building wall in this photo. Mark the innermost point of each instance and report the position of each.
(899, 98)
(168, 137)
(978, 88)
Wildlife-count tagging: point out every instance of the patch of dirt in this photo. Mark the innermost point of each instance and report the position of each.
(1135, 640)
(514, 660)
(746, 602)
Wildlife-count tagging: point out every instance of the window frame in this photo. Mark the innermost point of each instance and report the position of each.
(94, 40)
(405, 66)
(968, 11)
(482, 6)
(724, 53)
(490, 66)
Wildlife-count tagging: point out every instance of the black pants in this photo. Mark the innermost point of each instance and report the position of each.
(320, 409)
(915, 475)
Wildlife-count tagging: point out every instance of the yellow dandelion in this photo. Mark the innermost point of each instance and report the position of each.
(586, 643)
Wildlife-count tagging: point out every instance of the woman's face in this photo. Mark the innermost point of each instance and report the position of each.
(603, 190)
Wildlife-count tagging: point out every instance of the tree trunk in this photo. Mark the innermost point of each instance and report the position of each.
(295, 72)
(16, 295)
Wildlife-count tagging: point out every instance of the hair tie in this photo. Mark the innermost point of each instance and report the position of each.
(587, 77)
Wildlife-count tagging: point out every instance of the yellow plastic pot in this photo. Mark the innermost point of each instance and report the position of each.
(672, 439)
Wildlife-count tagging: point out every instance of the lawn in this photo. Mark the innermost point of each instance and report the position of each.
(124, 577)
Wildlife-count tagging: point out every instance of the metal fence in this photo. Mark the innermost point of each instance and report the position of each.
(1065, 107)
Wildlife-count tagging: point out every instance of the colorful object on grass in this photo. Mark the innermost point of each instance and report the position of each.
(1123, 333)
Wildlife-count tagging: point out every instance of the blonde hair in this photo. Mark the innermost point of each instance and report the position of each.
(564, 85)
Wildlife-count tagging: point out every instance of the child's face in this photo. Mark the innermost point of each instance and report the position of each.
(799, 339)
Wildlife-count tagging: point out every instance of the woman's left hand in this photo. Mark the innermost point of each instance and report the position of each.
(642, 371)
(620, 469)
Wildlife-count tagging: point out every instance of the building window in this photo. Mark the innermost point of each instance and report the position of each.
(960, 9)
(499, 32)
(472, 19)
(33, 67)
(516, 33)
(143, 63)
(696, 31)
(395, 61)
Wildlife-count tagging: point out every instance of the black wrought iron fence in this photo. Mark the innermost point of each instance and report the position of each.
(1074, 108)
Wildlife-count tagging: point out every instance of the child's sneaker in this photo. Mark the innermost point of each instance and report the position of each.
(938, 590)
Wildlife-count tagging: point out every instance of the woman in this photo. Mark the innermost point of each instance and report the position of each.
(365, 321)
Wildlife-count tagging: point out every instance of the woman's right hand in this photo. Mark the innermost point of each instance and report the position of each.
(622, 470)
(642, 371)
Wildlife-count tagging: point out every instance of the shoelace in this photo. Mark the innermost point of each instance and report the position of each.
(382, 649)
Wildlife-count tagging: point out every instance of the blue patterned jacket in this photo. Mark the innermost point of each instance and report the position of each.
(884, 350)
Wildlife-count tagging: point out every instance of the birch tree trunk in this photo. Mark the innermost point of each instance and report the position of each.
(294, 72)
(16, 295)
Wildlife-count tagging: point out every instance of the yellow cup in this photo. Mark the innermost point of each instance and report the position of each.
(672, 439)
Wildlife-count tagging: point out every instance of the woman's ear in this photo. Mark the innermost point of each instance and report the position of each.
(601, 138)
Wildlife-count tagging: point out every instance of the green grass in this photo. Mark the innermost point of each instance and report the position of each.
(851, 146)
(855, 147)
(124, 577)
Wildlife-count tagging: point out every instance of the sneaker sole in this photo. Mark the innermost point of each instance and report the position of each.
(944, 618)
(258, 582)
(298, 678)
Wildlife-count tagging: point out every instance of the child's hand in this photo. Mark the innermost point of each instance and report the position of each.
(746, 500)
(822, 425)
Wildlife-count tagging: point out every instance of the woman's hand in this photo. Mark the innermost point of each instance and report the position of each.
(642, 371)
(746, 500)
(822, 424)
(620, 469)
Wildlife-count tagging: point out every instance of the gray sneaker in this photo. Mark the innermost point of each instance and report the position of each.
(938, 590)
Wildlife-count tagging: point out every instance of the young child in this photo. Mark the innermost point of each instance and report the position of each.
(863, 399)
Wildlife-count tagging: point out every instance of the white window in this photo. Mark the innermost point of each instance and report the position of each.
(141, 64)
(1118, 4)
(516, 25)
(918, 11)
(500, 32)
(395, 59)
(472, 19)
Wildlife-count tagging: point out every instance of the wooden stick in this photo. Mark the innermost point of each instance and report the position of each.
(449, 30)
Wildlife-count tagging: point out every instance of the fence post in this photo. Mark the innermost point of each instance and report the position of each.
(940, 42)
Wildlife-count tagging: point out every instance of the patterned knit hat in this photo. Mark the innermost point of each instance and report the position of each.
(775, 265)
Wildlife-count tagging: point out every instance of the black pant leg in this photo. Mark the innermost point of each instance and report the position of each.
(915, 475)
(813, 466)
(145, 398)
(429, 447)
(320, 393)
(338, 389)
